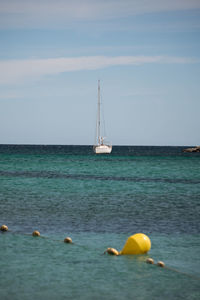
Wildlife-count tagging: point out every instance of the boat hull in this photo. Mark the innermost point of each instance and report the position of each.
(101, 149)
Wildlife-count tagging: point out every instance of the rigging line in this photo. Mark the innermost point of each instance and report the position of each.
(103, 117)
(96, 132)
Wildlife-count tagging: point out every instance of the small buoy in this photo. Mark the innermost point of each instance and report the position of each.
(68, 240)
(161, 264)
(138, 243)
(36, 233)
(111, 251)
(150, 261)
(4, 228)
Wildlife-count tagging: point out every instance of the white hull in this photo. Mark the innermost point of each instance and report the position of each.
(102, 149)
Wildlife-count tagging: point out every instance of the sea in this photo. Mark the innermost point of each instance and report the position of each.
(98, 201)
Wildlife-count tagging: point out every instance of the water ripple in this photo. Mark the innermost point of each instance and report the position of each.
(49, 174)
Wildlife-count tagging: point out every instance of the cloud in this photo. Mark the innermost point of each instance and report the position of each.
(13, 71)
(51, 13)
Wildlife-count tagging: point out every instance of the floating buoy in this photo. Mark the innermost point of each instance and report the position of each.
(111, 251)
(36, 233)
(4, 228)
(138, 243)
(161, 264)
(68, 240)
(150, 261)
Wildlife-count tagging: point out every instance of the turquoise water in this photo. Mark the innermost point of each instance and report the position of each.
(99, 201)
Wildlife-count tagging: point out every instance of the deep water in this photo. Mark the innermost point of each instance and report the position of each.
(99, 201)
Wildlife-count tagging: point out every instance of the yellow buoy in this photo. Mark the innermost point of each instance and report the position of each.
(111, 251)
(4, 228)
(68, 240)
(138, 243)
(36, 233)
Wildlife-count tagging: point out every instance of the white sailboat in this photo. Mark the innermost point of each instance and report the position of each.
(100, 147)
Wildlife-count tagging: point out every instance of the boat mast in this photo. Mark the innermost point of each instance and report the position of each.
(99, 121)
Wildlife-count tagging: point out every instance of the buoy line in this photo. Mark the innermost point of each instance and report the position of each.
(183, 273)
(136, 244)
(162, 265)
(35, 233)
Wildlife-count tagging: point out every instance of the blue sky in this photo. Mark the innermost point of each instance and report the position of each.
(146, 54)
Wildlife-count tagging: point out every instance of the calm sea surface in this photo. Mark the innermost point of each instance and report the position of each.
(99, 201)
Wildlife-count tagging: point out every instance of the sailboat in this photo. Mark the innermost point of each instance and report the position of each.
(100, 146)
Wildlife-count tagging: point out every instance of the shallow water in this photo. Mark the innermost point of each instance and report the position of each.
(99, 201)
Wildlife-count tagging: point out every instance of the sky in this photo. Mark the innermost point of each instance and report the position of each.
(145, 53)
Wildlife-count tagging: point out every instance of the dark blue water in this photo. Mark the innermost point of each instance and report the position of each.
(98, 200)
